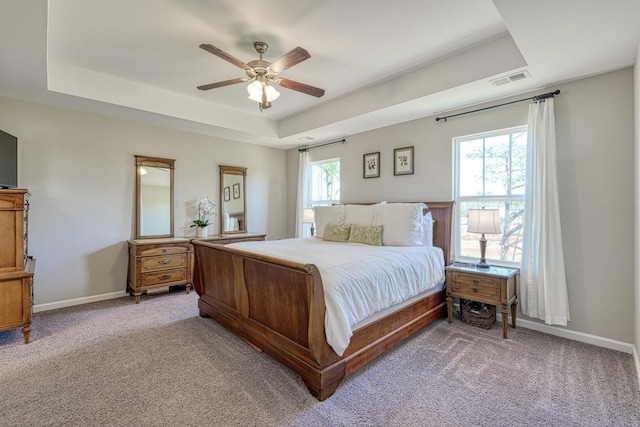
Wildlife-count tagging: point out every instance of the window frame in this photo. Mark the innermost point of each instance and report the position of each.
(309, 190)
(308, 201)
(458, 199)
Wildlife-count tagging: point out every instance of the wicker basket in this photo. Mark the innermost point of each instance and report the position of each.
(478, 314)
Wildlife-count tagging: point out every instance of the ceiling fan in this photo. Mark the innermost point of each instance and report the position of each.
(261, 72)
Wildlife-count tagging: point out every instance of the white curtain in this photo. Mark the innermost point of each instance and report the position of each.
(301, 201)
(543, 287)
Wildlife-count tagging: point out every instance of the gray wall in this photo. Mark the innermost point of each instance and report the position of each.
(80, 170)
(595, 153)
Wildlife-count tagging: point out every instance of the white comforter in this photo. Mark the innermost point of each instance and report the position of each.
(359, 280)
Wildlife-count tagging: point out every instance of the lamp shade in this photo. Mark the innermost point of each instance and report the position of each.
(272, 93)
(255, 92)
(484, 221)
(308, 216)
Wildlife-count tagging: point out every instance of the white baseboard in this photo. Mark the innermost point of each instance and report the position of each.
(574, 335)
(636, 360)
(77, 301)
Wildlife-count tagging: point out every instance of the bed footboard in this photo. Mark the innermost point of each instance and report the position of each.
(276, 305)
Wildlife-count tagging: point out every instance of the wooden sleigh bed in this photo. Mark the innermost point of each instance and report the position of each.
(278, 306)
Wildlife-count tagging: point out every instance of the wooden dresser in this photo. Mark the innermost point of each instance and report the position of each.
(15, 273)
(159, 263)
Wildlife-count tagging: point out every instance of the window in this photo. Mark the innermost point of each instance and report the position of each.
(324, 182)
(323, 186)
(489, 172)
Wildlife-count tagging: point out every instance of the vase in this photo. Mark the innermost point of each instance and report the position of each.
(202, 231)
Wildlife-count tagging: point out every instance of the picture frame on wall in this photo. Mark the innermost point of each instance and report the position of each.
(227, 194)
(403, 161)
(236, 191)
(371, 165)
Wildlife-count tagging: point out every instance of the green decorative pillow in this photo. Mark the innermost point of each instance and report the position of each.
(371, 235)
(337, 233)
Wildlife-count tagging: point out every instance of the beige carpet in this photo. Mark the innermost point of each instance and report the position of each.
(159, 364)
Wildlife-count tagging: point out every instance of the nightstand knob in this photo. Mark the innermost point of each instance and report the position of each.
(475, 281)
(474, 289)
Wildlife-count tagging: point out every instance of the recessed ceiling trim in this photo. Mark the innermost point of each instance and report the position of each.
(72, 80)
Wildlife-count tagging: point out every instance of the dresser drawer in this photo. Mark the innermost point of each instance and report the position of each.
(164, 276)
(473, 285)
(166, 250)
(159, 262)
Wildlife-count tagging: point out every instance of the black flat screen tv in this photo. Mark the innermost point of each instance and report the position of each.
(8, 160)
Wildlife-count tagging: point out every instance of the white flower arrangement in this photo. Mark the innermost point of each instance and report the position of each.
(205, 207)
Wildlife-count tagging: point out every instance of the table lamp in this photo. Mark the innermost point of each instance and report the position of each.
(308, 218)
(484, 221)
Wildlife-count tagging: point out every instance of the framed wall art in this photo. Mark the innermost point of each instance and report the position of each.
(236, 191)
(227, 194)
(371, 165)
(403, 161)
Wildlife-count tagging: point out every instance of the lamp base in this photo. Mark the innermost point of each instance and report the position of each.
(483, 250)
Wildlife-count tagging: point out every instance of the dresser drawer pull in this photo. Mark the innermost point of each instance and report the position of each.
(474, 289)
(164, 277)
(164, 261)
(475, 281)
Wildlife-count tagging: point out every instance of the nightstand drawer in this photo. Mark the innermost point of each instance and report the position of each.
(158, 262)
(474, 285)
(166, 276)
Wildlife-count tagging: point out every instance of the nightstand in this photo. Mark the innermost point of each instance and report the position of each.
(494, 285)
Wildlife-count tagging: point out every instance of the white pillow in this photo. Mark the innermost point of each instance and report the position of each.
(427, 229)
(402, 223)
(327, 214)
(359, 214)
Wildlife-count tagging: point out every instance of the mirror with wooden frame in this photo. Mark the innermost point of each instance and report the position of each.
(233, 199)
(154, 197)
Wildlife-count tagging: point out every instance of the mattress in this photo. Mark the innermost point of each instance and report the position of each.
(359, 280)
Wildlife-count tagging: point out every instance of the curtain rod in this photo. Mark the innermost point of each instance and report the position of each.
(535, 98)
(321, 145)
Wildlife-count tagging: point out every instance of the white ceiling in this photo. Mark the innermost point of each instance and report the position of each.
(380, 62)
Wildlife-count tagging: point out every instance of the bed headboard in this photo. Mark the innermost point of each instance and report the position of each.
(442, 213)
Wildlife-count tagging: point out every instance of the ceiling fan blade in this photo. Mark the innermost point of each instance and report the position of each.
(289, 59)
(301, 87)
(224, 55)
(223, 83)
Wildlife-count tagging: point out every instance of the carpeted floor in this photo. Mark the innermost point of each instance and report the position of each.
(159, 364)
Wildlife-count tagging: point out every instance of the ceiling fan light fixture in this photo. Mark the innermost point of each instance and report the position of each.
(260, 73)
(255, 92)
